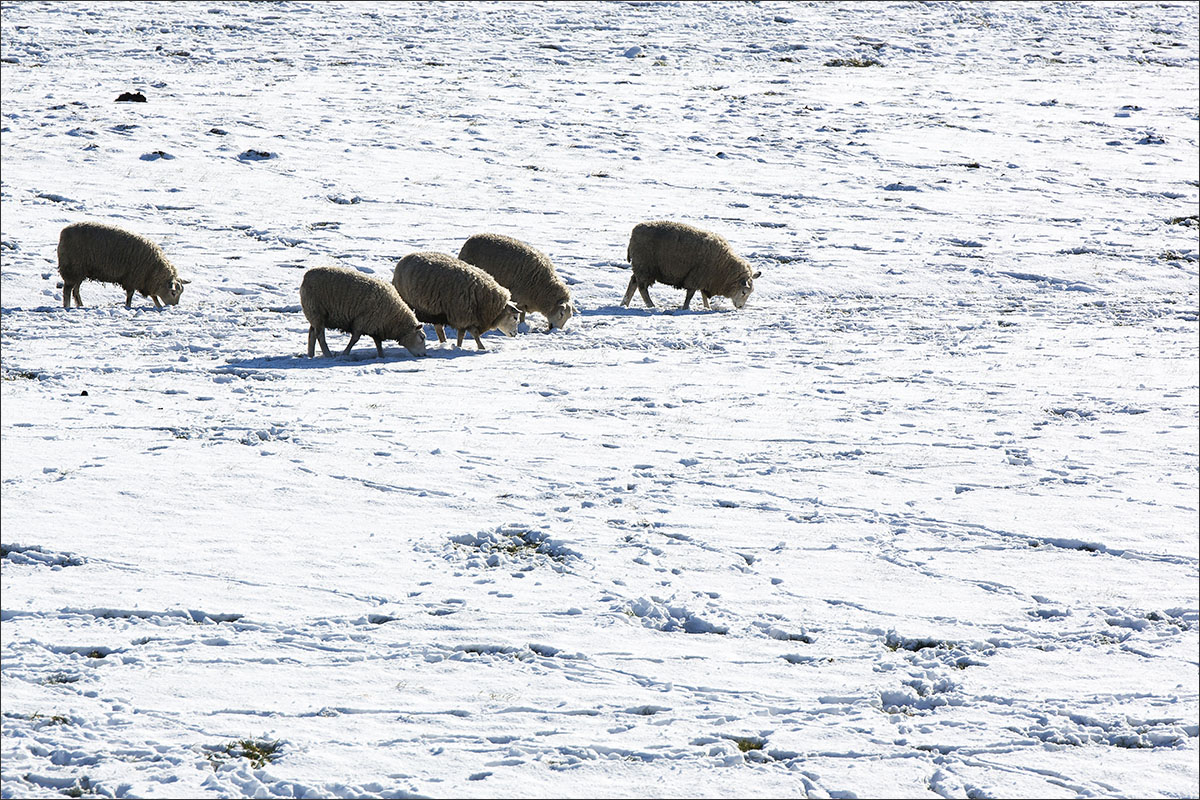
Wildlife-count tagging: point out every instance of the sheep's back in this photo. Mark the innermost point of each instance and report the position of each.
(525, 271)
(110, 254)
(348, 300)
(679, 255)
(445, 290)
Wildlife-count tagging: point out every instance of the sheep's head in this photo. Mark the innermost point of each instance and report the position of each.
(508, 319)
(560, 314)
(414, 341)
(171, 294)
(741, 292)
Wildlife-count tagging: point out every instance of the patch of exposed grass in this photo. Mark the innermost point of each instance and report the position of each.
(59, 678)
(515, 544)
(853, 62)
(82, 785)
(53, 719)
(517, 548)
(259, 752)
(748, 743)
(894, 642)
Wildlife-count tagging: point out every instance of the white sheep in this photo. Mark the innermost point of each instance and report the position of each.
(347, 300)
(527, 273)
(445, 291)
(99, 252)
(688, 258)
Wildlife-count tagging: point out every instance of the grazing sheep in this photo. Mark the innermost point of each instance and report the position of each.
(445, 291)
(347, 300)
(106, 253)
(687, 258)
(527, 273)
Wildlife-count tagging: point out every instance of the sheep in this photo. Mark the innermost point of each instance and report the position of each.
(445, 291)
(687, 258)
(106, 253)
(347, 300)
(527, 273)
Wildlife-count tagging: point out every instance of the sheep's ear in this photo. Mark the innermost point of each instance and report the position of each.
(184, 280)
(755, 275)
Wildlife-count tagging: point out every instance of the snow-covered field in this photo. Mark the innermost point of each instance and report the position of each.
(920, 520)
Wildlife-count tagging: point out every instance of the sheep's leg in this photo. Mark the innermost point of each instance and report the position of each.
(460, 338)
(706, 297)
(440, 330)
(478, 342)
(378, 345)
(67, 289)
(521, 319)
(687, 298)
(157, 304)
(645, 292)
(321, 340)
(129, 298)
(312, 340)
(629, 292)
(354, 337)
(75, 292)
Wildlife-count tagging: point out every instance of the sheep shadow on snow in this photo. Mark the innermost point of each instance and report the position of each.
(360, 356)
(659, 309)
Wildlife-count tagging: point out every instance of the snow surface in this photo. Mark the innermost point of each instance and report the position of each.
(919, 520)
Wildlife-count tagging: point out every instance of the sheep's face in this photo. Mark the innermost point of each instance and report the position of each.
(414, 342)
(742, 292)
(171, 294)
(508, 320)
(561, 313)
